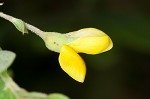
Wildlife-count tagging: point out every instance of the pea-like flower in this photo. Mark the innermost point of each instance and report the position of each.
(88, 40)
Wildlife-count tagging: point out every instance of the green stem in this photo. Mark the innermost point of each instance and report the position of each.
(32, 95)
(10, 84)
(17, 91)
(28, 26)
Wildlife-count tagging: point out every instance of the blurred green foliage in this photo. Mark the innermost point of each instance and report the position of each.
(122, 73)
(10, 90)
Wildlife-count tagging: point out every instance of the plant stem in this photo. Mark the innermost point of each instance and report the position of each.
(35, 30)
(33, 95)
(17, 91)
(28, 26)
(9, 82)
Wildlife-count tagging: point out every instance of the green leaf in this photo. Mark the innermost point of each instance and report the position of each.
(57, 96)
(6, 59)
(20, 25)
(6, 94)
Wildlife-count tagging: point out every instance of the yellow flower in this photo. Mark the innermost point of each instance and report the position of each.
(88, 40)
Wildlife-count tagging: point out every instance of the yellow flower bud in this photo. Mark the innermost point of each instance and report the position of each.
(88, 40)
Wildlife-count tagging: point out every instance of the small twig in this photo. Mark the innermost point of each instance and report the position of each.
(28, 26)
(34, 30)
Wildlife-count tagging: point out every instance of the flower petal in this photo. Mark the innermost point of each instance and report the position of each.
(109, 46)
(92, 45)
(72, 63)
(86, 32)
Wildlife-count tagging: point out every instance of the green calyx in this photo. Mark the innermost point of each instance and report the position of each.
(54, 41)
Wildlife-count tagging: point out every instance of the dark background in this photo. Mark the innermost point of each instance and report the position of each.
(121, 73)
